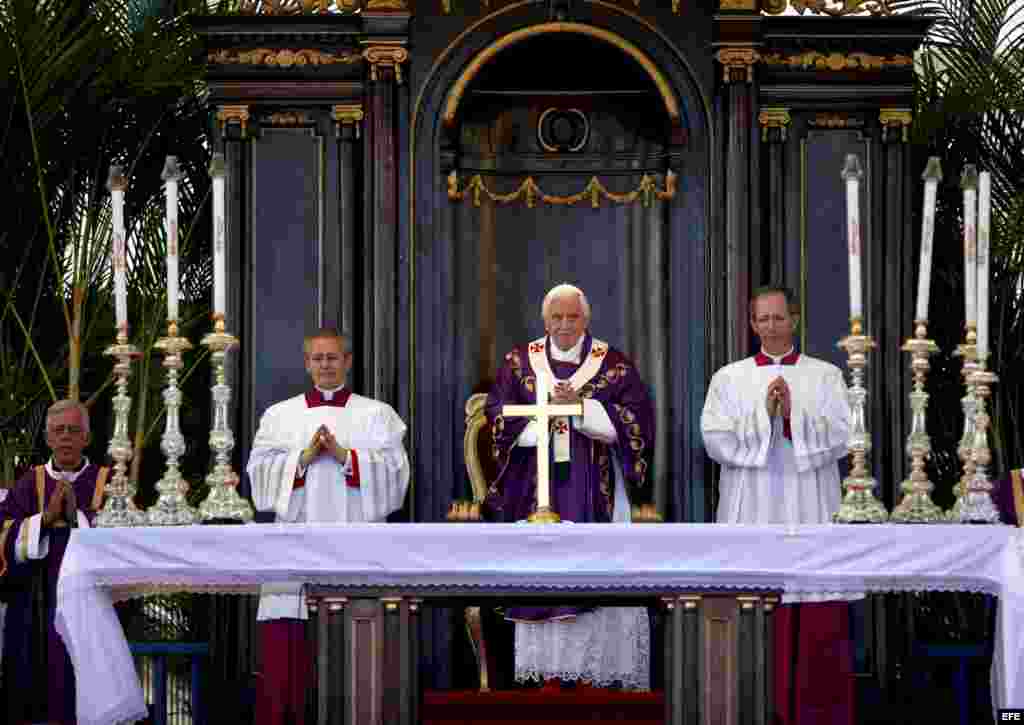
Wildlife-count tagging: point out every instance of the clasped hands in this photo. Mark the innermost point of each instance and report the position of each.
(322, 443)
(779, 400)
(563, 394)
(61, 506)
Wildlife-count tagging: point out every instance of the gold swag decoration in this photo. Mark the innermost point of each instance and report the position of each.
(646, 192)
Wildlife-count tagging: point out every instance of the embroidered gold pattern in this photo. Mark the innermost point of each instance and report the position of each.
(636, 442)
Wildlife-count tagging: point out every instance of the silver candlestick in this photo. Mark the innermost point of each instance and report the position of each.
(917, 506)
(976, 506)
(223, 504)
(968, 350)
(119, 508)
(859, 504)
(171, 508)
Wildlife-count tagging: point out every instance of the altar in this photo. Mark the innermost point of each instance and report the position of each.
(390, 561)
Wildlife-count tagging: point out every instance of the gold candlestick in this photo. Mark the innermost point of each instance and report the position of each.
(119, 508)
(223, 504)
(968, 350)
(171, 508)
(859, 504)
(917, 506)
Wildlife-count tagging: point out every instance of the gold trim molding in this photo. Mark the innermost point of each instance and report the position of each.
(299, 7)
(487, 55)
(837, 8)
(770, 118)
(233, 114)
(390, 55)
(738, 59)
(647, 192)
(281, 58)
(812, 59)
(737, 5)
(896, 118)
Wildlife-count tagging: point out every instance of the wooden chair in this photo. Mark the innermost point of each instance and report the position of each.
(479, 466)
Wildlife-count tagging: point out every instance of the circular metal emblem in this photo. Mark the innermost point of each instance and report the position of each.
(563, 129)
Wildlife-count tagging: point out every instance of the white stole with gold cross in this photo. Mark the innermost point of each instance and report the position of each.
(588, 369)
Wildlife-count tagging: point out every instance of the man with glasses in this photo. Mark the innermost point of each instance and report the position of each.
(326, 456)
(35, 524)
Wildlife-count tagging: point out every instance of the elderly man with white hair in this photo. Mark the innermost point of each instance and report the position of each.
(599, 463)
(35, 524)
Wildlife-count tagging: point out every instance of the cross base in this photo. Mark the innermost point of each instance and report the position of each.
(544, 515)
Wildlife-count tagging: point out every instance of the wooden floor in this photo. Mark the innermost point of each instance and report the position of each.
(568, 707)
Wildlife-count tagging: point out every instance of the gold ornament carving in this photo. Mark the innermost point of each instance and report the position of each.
(774, 118)
(837, 8)
(299, 7)
(281, 58)
(773, 7)
(233, 114)
(375, 5)
(647, 192)
(288, 118)
(737, 4)
(836, 120)
(386, 56)
(812, 59)
(741, 59)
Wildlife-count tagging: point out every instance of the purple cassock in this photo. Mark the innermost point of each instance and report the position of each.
(39, 682)
(582, 490)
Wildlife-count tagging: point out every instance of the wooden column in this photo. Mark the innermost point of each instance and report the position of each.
(348, 119)
(718, 646)
(892, 284)
(384, 61)
(774, 124)
(739, 95)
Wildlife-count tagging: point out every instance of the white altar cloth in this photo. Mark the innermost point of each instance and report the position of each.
(102, 566)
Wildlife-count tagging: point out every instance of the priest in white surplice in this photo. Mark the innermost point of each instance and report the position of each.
(778, 423)
(326, 456)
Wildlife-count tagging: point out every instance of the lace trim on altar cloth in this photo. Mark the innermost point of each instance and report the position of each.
(125, 587)
(608, 646)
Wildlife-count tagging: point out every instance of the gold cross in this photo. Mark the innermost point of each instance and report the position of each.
(543, 412)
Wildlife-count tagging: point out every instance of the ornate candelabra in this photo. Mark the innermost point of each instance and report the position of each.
(976, 505)
(171, 508)
(119, 509)
(917, 506)
(859, 504)
(969, 352)
(223, 505)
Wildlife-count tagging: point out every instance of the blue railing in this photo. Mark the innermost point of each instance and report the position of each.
(174, 702)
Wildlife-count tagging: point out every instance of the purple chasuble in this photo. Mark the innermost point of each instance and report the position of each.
(40, 682)
(586, 495)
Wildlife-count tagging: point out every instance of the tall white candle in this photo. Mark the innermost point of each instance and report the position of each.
(932, 176)
(984, 258)
(118, 263)
(543, 388)
(969, 184)
(217, 172)
(171, 174)
(852, 174)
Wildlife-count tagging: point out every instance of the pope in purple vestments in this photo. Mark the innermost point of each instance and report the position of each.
(36, 520)
(610, 444)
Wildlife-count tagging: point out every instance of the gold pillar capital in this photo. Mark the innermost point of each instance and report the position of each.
(386, 54)
(738, 62)
(893, 119)
(348, 114)
(239, 114)
(774, 118)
